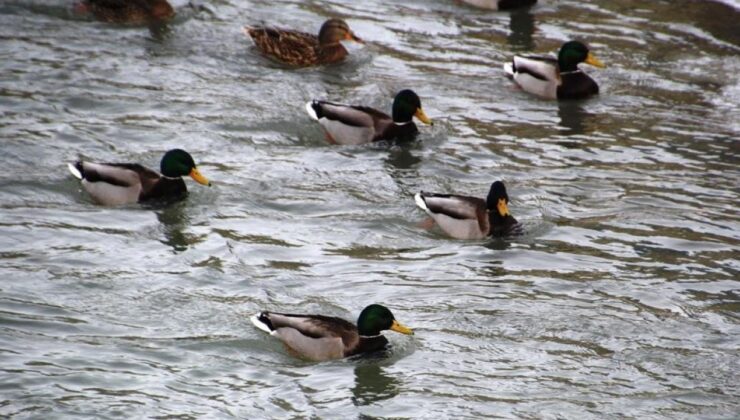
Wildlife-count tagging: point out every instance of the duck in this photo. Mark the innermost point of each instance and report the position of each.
(320, 338)
(353, 124)
(553, 78)
(464, 217)
(499, 4)
(301, 49)
(113, 184)
(131, 12)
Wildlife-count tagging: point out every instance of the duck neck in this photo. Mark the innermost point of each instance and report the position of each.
(566, 64)
(331, 52)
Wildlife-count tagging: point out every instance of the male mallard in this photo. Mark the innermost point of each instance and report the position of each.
(349, 124)
(499, 4)
(134, 12)
(464, 217)
(556, 79)
(302, 49)
(319, 337)
(114, 184)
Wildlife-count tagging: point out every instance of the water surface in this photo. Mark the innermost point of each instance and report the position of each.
(620, 300)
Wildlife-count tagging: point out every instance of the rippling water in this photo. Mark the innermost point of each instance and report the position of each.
(620, 300)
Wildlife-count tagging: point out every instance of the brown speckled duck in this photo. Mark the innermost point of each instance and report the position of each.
(464, 217)
(301, 49)
(113, 184)
(131, 12)
(319, 337)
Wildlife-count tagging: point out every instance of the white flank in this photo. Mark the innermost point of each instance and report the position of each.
(74, 171)
(543, 88)
(259, 324)
(459, 228)
(311, 111)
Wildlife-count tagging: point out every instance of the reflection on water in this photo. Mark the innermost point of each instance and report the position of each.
(373, 385)
(160, 31)
(574, 117)
(521, 27)
(401, 157)
(175, 222)
(401, 163)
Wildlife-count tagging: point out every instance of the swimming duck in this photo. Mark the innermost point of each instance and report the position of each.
(113, 184)
(302, 49)
(464, 217)
(350, 124)
(499, 4)
(134, 12)
(556, 78)
(319, 337)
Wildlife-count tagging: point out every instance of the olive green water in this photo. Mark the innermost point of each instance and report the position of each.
(621, 300)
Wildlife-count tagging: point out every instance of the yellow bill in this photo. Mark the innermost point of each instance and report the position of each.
(422, 116)
(200, 179)
(397, 327)
(592, 60)
(503, 209)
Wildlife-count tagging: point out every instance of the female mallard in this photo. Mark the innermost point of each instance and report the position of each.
(302, 49)
(114, 184)
(499, 4)
(133, 12)
(556, 79)
(464, 217)
(348, 124)
(318, 337)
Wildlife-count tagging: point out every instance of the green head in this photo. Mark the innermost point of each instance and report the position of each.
(498, 200)
(335, 30)
(177, 162)
(407, 105)
(574, 52)
(376, 318)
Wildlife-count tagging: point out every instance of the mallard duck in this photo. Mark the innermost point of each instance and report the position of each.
(319, 337)
(133, 12)
(556, 78)
(499, 4)
(302, 49)
(464, 217)
(350, 124)
(114, 184)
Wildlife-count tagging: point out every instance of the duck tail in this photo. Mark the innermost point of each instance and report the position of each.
(509, 70)
(312, 107)
(75, 169)
(419, 199)
(262, 322)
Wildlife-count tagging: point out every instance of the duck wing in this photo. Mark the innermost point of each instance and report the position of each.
(455, 206)
(540, 67)
(119, 174)
(293, 47)
(351, 115)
